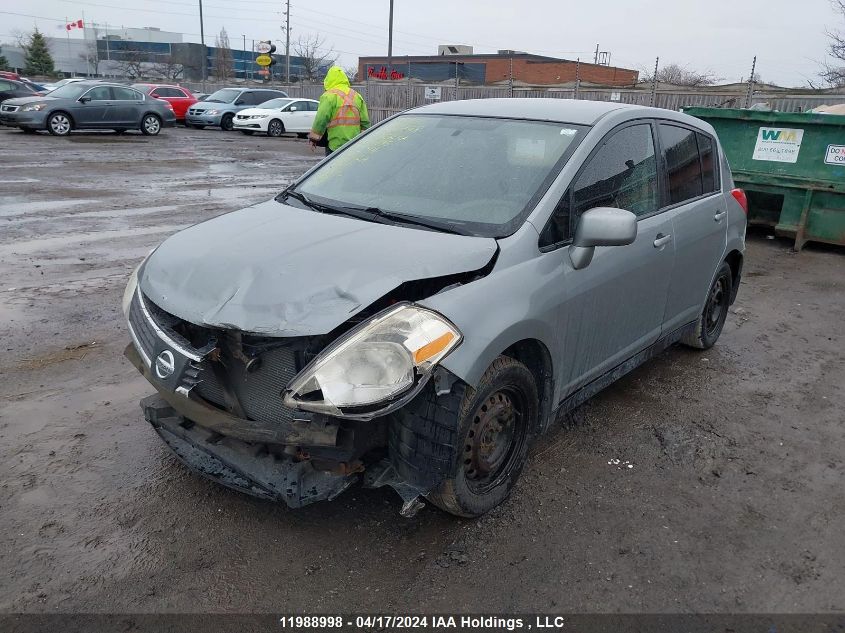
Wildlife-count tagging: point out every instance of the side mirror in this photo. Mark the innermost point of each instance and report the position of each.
(602, 226)
(240, 102)
(292, 109)
(84, 99)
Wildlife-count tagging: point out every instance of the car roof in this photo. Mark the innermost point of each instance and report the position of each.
(559, 110)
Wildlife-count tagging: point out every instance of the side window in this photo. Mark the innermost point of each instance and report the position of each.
(299, 105)
(182, 94)
(313, 106)
(680, 155)
(5, 85)
(101, 93)
(245, 99)
(622, 174)
(266, 95)
(709, 166)
(126, 94)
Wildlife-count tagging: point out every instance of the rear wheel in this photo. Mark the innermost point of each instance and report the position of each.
(59, 124)
(712, 318)
(275, 128)
(150, 125)
(496, 424)
(227, 122)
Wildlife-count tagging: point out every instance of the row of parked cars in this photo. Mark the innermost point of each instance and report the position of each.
(93, 104)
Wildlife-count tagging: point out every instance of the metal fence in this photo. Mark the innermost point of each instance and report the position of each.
(384, 100)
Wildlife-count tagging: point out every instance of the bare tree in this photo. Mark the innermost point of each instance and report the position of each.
(311, 50)
(91, 58)
(224, 67)
(130, 62)
(677, 75)
(351, 72)
(834, 72)
(168, 68)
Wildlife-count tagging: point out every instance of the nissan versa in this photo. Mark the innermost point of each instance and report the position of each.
(420, 306)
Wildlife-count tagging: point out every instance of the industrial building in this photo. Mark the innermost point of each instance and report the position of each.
(524, 68)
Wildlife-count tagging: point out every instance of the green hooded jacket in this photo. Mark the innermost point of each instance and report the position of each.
(343, 123)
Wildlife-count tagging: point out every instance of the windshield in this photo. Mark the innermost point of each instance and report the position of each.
(480, 175)
(72, 90)
(274, 104)
(226, 95)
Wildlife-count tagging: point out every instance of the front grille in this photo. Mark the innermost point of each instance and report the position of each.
(195, 111)
(259, 391)
(10, 108)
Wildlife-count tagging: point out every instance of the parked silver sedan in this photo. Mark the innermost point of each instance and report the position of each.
(420, 306)
(88, 105)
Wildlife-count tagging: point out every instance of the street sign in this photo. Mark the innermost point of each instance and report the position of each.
(263, 60)
(432, 93)
(265, 47)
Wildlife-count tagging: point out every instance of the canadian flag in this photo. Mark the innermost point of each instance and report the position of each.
(74, 25)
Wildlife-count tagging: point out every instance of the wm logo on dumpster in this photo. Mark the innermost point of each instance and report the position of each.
(770, 134)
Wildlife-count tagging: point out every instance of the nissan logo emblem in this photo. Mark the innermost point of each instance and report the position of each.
(165, 364)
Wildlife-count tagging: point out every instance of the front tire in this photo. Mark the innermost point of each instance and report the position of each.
(275, 128)
(150, 125)
(59, 124)
(712, 318)
(227, 123)
(496, 424)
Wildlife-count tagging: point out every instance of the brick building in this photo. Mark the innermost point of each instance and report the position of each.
(494, 68)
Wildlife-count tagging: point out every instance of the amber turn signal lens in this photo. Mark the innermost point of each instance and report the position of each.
(432, 349)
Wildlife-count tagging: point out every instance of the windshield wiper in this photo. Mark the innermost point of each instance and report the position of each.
(354, 212)
(401, 218)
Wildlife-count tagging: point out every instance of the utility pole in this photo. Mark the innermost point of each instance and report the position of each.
(243, 57)
(204, 50)
(287, 42)
(751, 83)
(596, 56)
(510, 76)
(390, 43)
(654, 83)
(577, 77)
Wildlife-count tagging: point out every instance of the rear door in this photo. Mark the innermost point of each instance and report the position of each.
(127, 107)
(614, 307)
(692, 196)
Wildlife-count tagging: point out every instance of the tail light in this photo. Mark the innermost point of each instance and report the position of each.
(739, 196)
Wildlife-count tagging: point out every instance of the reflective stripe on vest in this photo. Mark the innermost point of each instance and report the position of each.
(347, 114)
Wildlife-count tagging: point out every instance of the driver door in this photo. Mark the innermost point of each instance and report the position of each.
(90, 109)
(612, 308)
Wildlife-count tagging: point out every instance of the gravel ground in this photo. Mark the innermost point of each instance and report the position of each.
(727, 497)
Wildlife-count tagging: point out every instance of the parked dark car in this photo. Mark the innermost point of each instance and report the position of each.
(89, 105)
(10, 88)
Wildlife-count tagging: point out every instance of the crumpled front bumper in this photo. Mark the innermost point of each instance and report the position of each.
(241, 465)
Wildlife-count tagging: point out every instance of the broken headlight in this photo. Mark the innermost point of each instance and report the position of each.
(366, 370)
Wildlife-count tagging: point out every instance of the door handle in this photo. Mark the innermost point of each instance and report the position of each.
(718, 217)
(662, 240)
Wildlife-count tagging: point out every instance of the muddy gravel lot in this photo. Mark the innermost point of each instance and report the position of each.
(727, 496)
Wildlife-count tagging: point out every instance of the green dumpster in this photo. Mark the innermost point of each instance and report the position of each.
(791, 166)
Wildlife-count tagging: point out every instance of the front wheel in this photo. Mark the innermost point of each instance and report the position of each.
(496, 424)
(59, 124)
(150, 125)
(275, 128)
(227, 123)
(712, 318)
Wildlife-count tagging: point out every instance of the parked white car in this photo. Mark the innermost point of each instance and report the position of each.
(62, 82)
(277, 117)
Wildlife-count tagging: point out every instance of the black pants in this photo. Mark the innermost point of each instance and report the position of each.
(328, 150)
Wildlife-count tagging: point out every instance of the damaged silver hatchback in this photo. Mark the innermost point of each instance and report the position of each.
(420, 306)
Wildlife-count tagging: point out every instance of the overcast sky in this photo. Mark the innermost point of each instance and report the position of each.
(721, 36)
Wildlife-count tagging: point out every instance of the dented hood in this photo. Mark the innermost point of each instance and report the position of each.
(281, 271)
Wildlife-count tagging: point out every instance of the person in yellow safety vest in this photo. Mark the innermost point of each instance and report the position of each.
(342, 113)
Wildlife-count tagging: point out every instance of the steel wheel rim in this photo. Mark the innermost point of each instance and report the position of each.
(60, 124)
(151, 124)
(716, 306)
(494, 440)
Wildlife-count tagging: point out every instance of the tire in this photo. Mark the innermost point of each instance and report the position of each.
(248, 132)
(275, 128)
(227, 122)
(474, 456)
(710, 322)
(59, 124)
(150, 125)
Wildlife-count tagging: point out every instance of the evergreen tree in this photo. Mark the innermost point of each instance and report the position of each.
(4, 63)
(37, 55)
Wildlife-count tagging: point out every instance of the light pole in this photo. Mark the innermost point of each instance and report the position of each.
(204, 50)
(390, 44)
(243, 56)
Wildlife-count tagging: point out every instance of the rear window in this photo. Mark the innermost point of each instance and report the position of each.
(709, 165)
(680, 155)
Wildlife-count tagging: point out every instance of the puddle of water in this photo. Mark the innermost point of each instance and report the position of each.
(18, 206)
(53, 244)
